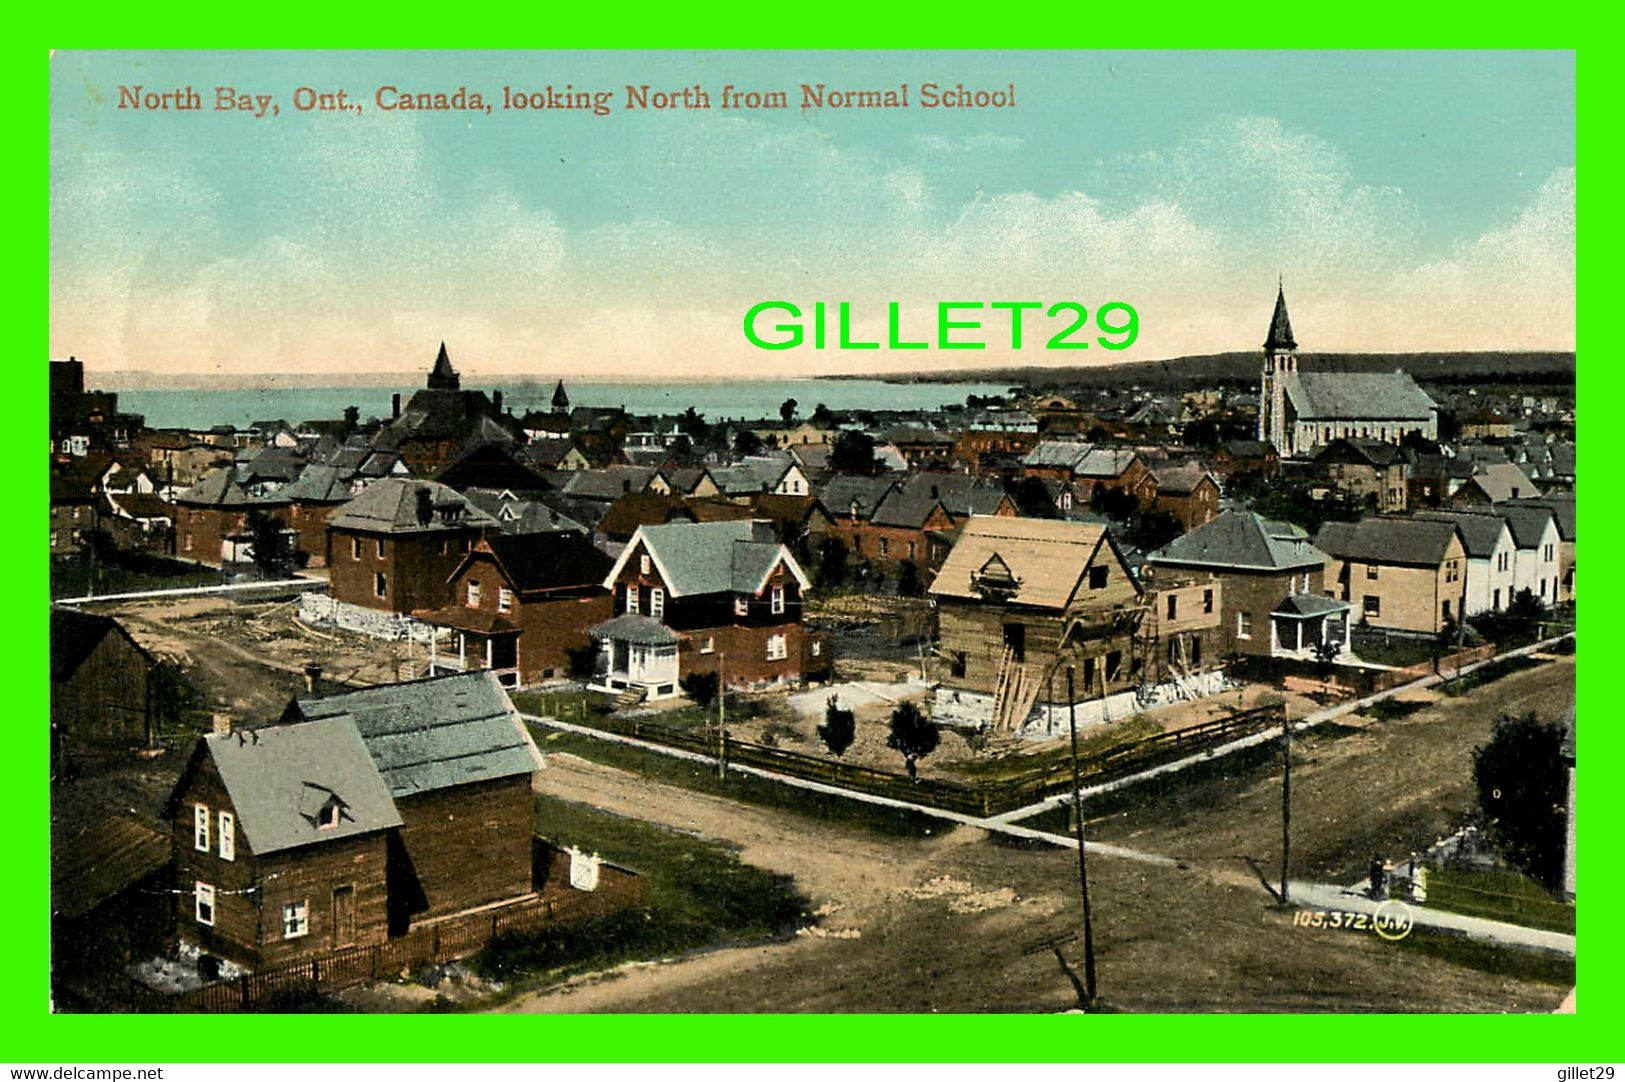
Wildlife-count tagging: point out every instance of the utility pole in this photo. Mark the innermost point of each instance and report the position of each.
(1083, 868)
(1286, 798)
(722, 717)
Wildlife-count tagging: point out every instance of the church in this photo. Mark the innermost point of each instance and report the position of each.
(1300, 412)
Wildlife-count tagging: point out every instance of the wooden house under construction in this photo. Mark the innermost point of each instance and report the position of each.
(1020, 601)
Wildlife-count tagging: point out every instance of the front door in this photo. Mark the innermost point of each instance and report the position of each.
(343, 916)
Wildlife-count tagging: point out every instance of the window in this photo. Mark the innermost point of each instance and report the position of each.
(295, 919)
(741, 605)
(1370, 571)
(883, 546)
(504, 599)
(709, 646)
(1305, 588)
(200, 827)
(631, 599)
(1373, 605)
(778, 596)
(473, 594)
(203, 903)
(1173, 606)
(379, 585)
(956, 667)
(1097, 578)
(228, 836)
(1496, 604)
(1548, 556)
(775, 648)
(911, 550)
(1446, 609)
(378, 548)
(188, 542)
(355, 548)
(1207, 600)
(643, 564)
(1451, 571)
(657, 602)
(1244, 625)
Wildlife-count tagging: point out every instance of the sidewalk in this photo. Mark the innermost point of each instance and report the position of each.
(1327, 896)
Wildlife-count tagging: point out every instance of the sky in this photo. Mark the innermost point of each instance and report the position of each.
(1408, 201)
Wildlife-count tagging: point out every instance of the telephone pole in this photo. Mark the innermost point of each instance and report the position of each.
(1083, 867)
(1286, 799)
(722, 717)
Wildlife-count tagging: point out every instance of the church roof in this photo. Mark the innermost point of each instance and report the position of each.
(1360, 396)
(1280, 336)
(444, 376)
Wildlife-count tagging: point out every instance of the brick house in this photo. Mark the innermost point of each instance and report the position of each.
(1189, 493)
(395, 546)
(357, 817)
(925, 505)
(703, 597)
(319, 491)
(522, 604)
(1272, 579)
(1246, 458)
(1399, 574)
(214, 519)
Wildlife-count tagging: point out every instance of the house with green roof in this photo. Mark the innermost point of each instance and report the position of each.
(701, 597)
(1273, 585)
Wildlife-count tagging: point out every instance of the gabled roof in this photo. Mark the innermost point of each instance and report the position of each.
(696, 558)
(1504, 481)
(1527, 523)
(751, 474)
(845, 489)
(1064, 454)
(1480, 531)
(1367, 451)
(1561, 504)
(911, 503)
(1309, 605)
(519, 515)
(1382, 539)
(75, 634)
(1243, 540)
(1036, 562)
(1181, 480)
(280, 776)
(319, 483)
(433, 734)
(1105, 462)
(95, 858)
(217, 488)
(608, 483)
(1374, 396)
(538, 562)
(395, 505)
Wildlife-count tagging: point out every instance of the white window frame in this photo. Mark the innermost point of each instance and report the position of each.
(631, 598)
(296, 919)
(778, 600)
(472, 598)
(228, 836)
(1244, 625)
(200, 827)
(741, 605)
(380, 584)
(355, 546)
(709, 645)
(777, 650)
(657, 602)
(203, 896)
(643, 563)
(504, 599)
(378, 548)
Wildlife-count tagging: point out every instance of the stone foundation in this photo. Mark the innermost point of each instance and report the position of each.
(974, 710)
(324, 610)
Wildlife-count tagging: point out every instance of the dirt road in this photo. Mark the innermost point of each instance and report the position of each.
(956, 922)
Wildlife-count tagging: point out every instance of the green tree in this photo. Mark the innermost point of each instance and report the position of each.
(840, 728)
(1032, 498)
(853, 452)
(701, 687)
(913, 735)
(908, 579)
(747, 443)
(1522, 786)
(787, 409)
(832, 563)
(272, 553)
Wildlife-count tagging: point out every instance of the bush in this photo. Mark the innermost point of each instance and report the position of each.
(912, 734)
(701, 687)
(1522, 785)
(840, 728)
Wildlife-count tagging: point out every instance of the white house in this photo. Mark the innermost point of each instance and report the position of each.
(1491, 558)
(1535, 565)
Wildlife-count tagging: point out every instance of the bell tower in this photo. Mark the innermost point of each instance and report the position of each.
(1280, 362)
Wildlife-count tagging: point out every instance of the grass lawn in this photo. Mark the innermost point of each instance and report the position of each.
(1502, 962)
(1498, 895)
(577, 706)
(703, 778)
(1492, 670)
(700, 895)
(75, 578)
(1398, 652)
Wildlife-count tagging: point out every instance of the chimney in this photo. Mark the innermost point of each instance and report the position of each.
(313, 673)
(425, 508)
(496, 401)
(221, 725)
(395, 406)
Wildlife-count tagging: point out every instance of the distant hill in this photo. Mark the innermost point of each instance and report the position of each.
(1245, 367)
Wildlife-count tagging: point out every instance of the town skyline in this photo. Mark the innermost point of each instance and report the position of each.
(1378, 186)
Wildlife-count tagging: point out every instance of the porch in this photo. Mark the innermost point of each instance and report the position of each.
(478, 640)
(635, 653)
(1301, 623)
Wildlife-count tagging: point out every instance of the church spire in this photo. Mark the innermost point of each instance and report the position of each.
(561, 401)
(1280, 336)
(444, 377)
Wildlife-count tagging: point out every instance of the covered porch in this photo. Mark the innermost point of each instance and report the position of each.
(1301, 623)
(635, 652)
(478, 640)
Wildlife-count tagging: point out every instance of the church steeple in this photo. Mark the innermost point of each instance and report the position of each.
(561, 401)
(444, 377)
(1280, 336)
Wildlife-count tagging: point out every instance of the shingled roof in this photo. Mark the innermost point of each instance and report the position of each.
(696, 558)
(217, 488)
(1038, 562)
(1243, 540)
(393, 506)
(432, 734)
(1382, 539)
(319, 483)
(1480, 531)
(280, 777)
(910, 504)
(537, 562)
(1372, 396)
(75, 634)
(1527, 522)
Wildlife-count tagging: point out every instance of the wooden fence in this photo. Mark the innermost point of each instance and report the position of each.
(428, 944)
(990, 797)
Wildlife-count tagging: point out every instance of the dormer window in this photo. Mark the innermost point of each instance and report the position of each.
(741, 605)
(643, 564)
(327, 816)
